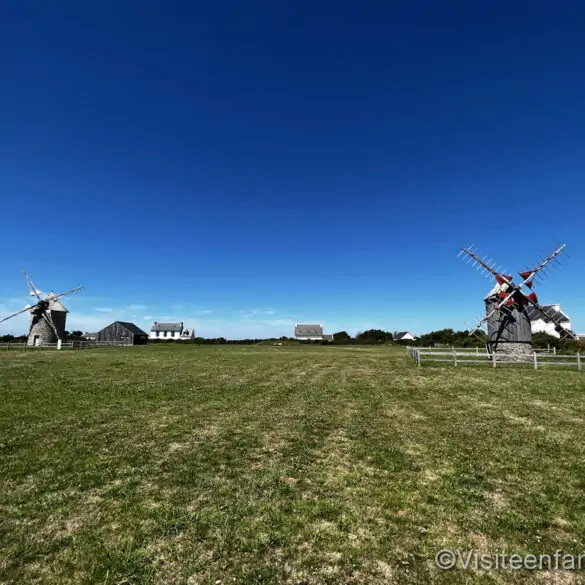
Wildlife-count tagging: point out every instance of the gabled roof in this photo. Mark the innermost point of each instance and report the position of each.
(56, 304)
(308, 331)
(131, 328)
(157, 326)
(498, 288)
(401, 334)
(551, 312)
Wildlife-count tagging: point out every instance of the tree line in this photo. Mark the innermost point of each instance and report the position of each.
(440, 338)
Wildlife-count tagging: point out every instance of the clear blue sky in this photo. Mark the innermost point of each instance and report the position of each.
(242, 166)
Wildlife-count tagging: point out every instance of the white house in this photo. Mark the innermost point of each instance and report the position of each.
(309, 332)
(312, 333)
(403, 336)
(540, 325)
(170, 331)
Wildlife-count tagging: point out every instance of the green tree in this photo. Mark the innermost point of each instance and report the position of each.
(341, 336)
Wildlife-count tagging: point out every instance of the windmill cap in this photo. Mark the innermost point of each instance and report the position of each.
(55, 304)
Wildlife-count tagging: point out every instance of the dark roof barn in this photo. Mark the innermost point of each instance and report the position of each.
(123, 331)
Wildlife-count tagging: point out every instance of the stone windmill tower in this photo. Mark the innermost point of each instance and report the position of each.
(509, 330)
(47, 317)
(47, 330)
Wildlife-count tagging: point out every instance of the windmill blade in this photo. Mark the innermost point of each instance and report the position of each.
(479, 261)
(485, 319)
(480, 334)
(530, 299)
(510, 293)
(47, 312)
(47, 318)
(529, 275)
(32, 288)
(54, 297)
(19, 312)
(512, 288)
(550, 258)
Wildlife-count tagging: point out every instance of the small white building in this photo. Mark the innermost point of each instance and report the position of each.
(403, 336)
(170, 331)
(539, 324)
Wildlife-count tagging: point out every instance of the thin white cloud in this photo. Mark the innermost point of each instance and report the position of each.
(253, 313)
(278, 322)
(104, 309)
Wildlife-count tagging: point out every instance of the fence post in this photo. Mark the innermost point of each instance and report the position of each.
(535, 361)
(493, 358)
(454, 357)
(579, 360)
(418, 358)
(554, 350)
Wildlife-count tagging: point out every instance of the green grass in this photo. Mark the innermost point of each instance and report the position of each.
(295, 465)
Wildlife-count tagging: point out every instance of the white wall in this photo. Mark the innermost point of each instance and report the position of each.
(539, 326)
(409, 336)
(161, 335)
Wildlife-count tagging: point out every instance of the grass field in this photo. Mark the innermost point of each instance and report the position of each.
(295, 465)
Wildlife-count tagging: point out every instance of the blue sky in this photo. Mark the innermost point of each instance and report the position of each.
(243, 166)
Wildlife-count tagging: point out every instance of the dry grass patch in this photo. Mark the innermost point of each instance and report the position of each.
(305, 465)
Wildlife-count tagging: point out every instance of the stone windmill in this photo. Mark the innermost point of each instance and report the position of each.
(47, 316)
(509, 330)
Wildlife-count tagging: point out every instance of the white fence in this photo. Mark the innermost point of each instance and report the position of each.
(462, 356)
(477, 350)
(64, 345)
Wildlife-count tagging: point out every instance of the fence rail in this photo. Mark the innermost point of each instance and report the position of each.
(478, 350)
(64, 345)
(461, 356)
